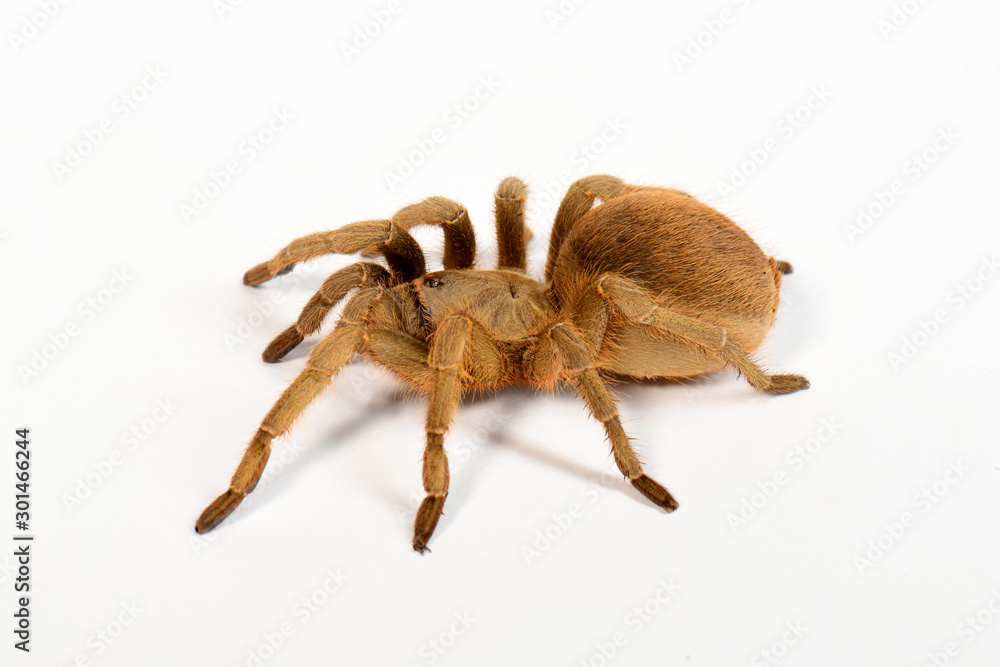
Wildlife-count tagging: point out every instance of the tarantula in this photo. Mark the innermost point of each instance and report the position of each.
(650, 283)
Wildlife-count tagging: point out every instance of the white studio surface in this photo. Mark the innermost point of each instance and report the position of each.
(152, 154)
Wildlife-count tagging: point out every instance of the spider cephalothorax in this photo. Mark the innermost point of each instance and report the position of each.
(651, 283)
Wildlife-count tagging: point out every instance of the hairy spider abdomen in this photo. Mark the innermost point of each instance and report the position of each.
(693, 259)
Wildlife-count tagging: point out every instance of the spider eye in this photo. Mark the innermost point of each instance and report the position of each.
(433, 282)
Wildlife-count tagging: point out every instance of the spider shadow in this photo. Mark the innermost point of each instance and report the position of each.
(316, 448)
(382, 404)
(608, 477)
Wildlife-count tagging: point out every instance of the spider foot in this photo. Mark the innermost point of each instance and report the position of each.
(655, 491)
(262, 273)
(785, 384)
(217, 511)
(284, 343)
(427, 518)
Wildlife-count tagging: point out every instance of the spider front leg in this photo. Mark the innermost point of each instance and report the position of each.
(453, 218)
(438, 370)
(447, 352)
(334, 288)
(359, 329)
(578, 364)
(326, 360)
(389, 238)
(386, 237)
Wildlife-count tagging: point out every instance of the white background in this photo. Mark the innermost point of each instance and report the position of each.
(790, 117)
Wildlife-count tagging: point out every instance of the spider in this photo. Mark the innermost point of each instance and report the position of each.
(649, 283)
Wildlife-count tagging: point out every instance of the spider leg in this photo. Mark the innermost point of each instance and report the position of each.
(326, 360)
(459, 237)
(369, 325)
(445, 360)
(579, 364)
(403, 255)
(334, 288)
(782, 266)
(512, 235)
(578, 200)
(438, 370)
(637, 305)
